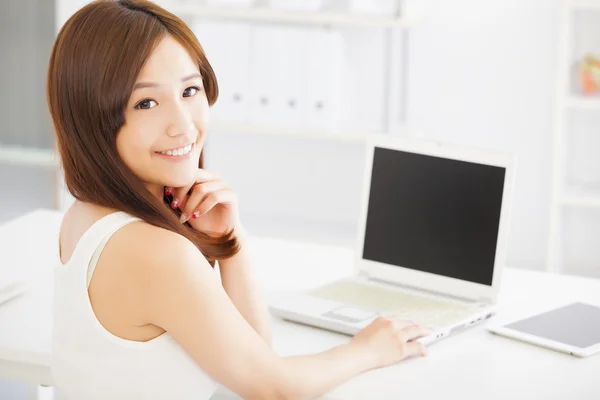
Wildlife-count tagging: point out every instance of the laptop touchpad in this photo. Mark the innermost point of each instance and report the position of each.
(350, 314)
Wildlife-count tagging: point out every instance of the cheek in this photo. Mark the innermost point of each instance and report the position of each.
(202, 115)
(133, 146)
(201, 125)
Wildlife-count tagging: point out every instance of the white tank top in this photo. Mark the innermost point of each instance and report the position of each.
(89, 362)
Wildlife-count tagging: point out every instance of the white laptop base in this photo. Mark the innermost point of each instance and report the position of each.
(348, 305)
(431, 241)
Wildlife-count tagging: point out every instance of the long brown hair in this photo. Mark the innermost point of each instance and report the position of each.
(94, 63)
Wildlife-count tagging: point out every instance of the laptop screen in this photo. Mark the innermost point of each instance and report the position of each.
(434, 214)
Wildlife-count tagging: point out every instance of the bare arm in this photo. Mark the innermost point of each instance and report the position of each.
(239, 281)
(316, 374)
(181, 293)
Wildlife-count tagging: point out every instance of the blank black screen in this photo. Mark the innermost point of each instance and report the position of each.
(434, 214)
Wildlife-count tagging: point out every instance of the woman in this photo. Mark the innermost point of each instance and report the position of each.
(139, 310)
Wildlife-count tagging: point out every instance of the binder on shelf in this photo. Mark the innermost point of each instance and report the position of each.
(227, 3)
(375, 7)
(297, 5)
(325, 75)
(264, 69)
(363, 89)
(227, 47)
(290, 76)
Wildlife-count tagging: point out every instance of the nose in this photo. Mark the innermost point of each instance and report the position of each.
(181, 122)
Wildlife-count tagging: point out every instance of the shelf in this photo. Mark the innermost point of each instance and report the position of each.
(580, 201)
(583, 5)
(580, 197)
(263, 14)
(18, 155)
(568, 194)
(583, 103)
(223, 127)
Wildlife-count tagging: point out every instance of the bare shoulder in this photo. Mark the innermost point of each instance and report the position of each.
(147, 249)
(152, 277)
(152, 274)
(133, 244)
(140, 263)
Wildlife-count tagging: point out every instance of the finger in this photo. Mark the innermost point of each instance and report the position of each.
(203, 175)
(400, 324)
(199, 193)
(180, 194)
(416, 348)
(214, 198)
(413, 332)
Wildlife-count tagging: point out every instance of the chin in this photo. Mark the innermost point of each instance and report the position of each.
(182, 179)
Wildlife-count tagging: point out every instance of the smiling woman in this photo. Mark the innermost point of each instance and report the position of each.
(138, 311)
(130, 112)
(112, 100)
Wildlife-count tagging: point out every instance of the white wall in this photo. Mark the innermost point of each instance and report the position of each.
(65, 8)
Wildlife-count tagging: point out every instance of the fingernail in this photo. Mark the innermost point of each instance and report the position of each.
(184, 217)
(174, 203)
(196, 214)
(167, 191)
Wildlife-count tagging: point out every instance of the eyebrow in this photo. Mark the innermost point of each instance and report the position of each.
(141, 85)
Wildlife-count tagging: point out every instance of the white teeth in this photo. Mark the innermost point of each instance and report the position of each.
(178, 152)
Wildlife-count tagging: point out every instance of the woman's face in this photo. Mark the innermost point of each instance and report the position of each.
(165, 119)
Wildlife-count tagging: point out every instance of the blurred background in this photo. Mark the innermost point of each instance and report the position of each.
(303, 83)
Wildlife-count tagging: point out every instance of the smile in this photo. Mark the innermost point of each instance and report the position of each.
(182, 151)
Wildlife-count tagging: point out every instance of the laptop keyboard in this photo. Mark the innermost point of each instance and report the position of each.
(422, 310)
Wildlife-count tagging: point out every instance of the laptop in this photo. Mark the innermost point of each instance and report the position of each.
(431, 241)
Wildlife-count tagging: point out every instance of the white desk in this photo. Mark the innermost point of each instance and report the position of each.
(472, 365)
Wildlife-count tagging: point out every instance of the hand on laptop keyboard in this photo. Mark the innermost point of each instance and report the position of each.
(426, 311)
(386, 341)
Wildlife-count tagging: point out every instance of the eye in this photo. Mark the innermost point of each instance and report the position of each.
(145, 104)
(195, 90)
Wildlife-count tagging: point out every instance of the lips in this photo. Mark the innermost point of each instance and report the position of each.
(179, 151)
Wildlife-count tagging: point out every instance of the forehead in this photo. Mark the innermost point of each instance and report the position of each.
(169, 60)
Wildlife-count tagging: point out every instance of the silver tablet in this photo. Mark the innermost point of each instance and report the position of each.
(573, 329)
